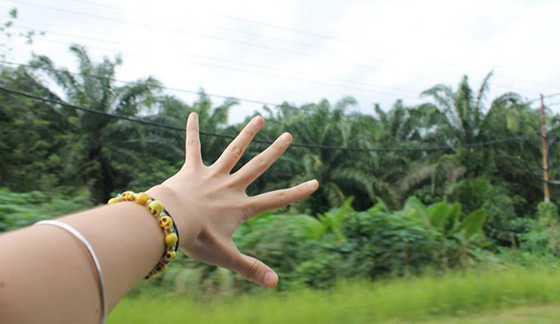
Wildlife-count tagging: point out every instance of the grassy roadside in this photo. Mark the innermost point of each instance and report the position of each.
(520, 315)
(453, 297)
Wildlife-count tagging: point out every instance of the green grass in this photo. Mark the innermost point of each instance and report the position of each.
(519, 315)
(450, 298)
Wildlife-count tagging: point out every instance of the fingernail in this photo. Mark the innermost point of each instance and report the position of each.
(258, 121)
(270, 279)
(313, 184)
(286, 137)
(194, 116)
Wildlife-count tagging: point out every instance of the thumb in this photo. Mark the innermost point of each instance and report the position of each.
(256, 271)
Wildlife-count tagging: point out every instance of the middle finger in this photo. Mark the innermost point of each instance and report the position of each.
(259, 164)
(235, 149)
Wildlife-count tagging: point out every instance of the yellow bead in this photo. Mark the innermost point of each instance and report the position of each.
(113, 201)
(161, 268)
(142, 198)
(155, 208)
(170, 239)
(169, 256)
(127, 196)
(165, 222)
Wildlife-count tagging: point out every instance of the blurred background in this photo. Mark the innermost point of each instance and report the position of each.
(432, 127)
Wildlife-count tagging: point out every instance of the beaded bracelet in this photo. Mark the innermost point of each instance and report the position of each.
(165, 222)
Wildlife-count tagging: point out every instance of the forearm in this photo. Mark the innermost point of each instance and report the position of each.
(64, 288)
(47, 275)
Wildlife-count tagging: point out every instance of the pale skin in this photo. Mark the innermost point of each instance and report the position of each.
(47, 276)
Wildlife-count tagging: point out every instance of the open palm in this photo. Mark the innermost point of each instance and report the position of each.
(209, 202)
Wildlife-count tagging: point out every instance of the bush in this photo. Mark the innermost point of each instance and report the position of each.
(304, 250)
(343, 243)
(385, 243)
(544, 235)
(480, 193)
(23, 209)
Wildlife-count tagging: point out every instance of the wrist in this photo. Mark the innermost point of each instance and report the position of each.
(175, 207)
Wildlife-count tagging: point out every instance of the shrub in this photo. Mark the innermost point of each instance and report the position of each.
(23, 209)
(544, 235)
(480, 193)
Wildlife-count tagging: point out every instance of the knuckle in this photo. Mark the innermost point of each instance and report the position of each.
(254, 270)
(261, 162)
(236, 151)
(230, 185)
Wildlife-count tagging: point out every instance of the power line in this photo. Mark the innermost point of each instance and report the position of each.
(530, 171)
(165, 87)
(552, 95)
(259, 66)
(361, 65)
(225, 97)
(293, 30)
(238, 41)
(198, 92)
(236, 69)
(544, 97)
(347, 42)
(311, 146)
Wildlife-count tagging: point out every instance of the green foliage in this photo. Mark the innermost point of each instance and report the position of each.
(544, 234)
(386, 243)
(105, 152)
(458, 238)
(409, 300)
(23, 209)
(31, 137)
(500, 207)
(69, 147)
(319, 240)
(343, 243)
(547, 214)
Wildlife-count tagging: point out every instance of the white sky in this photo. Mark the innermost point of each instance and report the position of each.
(303, 51)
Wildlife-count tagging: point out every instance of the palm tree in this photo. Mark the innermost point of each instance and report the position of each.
(101, 152)
(342, 174)
(459, 117)
(173, 111)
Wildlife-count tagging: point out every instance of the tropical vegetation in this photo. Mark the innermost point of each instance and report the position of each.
(451, 183)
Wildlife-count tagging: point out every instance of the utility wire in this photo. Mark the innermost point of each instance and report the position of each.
(352, 84)
(227, 39)
(268, 74)
(530, 171)
(544, 97)
(318, 146)
(267, 63)
(163, 87)
(254, 101)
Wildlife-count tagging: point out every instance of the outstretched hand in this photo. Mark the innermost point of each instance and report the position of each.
(209, 203)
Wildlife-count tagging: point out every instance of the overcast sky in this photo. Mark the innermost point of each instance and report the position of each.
(304, 51)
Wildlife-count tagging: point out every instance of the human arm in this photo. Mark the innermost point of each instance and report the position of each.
(46, 276)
